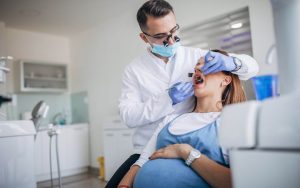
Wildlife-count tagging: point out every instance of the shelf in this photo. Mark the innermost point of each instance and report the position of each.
(43, 77)
(43, 90)
(46, 79)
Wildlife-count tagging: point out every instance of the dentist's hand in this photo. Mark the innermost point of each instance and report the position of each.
(216, 62)
(181, 91)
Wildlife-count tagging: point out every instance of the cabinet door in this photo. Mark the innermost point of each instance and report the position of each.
(110, 153)
(42, 156)
(73, 145)
(77, 147)
(117, 148)
(125, 144)
(38, 154)
(36, 76)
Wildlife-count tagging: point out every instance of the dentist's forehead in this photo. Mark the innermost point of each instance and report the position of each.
(161, 25)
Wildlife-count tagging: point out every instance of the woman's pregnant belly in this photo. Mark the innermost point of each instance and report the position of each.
(168, 173)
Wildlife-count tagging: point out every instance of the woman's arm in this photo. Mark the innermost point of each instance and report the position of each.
(215, 174)
(147, 151)
(128, 179)
(151, 145)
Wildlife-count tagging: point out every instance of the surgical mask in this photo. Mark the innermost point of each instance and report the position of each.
(165, 51)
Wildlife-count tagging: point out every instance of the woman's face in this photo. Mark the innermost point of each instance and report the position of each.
(209, 85)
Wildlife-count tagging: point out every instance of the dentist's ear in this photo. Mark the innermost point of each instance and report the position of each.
(226, 81)
(143, 37)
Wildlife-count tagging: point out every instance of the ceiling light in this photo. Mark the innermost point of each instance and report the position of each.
(236, 25)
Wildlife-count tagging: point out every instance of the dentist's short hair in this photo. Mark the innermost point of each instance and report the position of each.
(155, 8)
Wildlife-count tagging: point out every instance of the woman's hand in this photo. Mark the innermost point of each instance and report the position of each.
(127, 181)
(173, 151)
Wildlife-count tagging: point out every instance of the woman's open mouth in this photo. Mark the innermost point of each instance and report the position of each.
(199, 79)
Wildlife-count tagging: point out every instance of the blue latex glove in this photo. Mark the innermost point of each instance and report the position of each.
(181, 91)
(216, 62)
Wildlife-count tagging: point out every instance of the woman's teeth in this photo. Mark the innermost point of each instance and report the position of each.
(199, 80)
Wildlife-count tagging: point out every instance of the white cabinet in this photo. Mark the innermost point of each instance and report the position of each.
(37, 76)
(76, 143)
(73, 144)
(117, 146)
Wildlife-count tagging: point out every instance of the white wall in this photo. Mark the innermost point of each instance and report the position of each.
(39, 47)
(2, 38)
(99, 55)
(30, 45)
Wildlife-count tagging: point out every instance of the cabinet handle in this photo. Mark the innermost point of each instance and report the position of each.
(126, 134)
(109, 135)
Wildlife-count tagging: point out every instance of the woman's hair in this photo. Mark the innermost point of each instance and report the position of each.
(234, 92)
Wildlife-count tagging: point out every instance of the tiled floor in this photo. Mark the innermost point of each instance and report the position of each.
(86, 180)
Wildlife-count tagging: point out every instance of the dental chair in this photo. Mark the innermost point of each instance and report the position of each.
(264, 142)
(263, 138)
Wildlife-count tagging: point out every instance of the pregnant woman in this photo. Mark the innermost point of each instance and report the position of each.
(188, 153)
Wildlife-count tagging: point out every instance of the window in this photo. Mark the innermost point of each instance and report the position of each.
(230, 32)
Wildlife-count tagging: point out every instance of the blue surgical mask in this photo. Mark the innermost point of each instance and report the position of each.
(165, 51)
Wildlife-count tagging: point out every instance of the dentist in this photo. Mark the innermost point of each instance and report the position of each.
(156, 83)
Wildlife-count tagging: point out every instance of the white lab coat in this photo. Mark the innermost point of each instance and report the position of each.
(144, 101)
